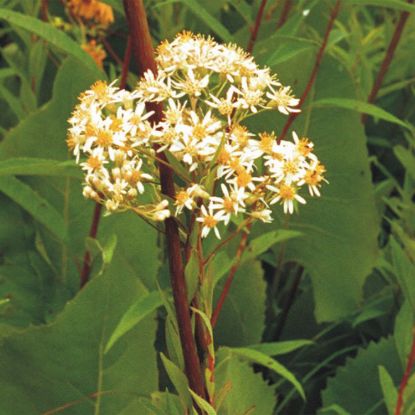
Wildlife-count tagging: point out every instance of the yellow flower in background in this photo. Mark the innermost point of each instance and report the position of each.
(95, 10)
(96, 51)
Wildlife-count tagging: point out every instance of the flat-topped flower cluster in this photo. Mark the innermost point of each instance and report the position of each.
(222, 169)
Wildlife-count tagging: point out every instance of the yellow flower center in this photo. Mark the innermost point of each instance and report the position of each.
(209, 221)
(287, 192)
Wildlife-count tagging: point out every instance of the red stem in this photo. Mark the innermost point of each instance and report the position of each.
(229, 279)
(254, 31)
(388, 58)
(44, 10)
(406, 376)
(284, 13)
(144, 55)
(314, 72)
(96, 216)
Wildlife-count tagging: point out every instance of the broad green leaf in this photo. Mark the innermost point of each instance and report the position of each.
(241, 321)
(179, 380)
(390, 394)
(137, 312)
(35, 204)
(49, 33)
(354, 386)
(202, 404)
(359, 106)
(241, 391)
(391, 4)
(262, 359)
(63, 363)
(333, 249)
(279, 348)
(262, 243)
(26, 166)
(137, 249)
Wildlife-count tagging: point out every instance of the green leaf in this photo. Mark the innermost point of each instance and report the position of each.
(407, 159)
(390, 394)
(35, 204)
(391, 4)
(200, 11)
(279, 348)
(26, 166)
(239, 389)
(403, 332)
(404, 271)
(262, 243)
(333, 249)
(49, 33)
(63, 363)
(202, 404)
(179, 380)
(137, 312)
(262, 359)
(337, 409)
(286, 53)
(361, 107)
(241, 321)
(354, 387)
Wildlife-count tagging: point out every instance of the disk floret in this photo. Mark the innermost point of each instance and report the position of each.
(223, 170)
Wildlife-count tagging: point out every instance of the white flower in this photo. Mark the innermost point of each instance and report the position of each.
(283, 100)
(231, 203)
(210, 220)
(287, 195)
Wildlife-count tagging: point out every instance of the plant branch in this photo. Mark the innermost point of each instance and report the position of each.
(144, 55)
(406, 376)
(241, 248)
(284, 13)
(255, 29)
(44, 10)
(388, 58)
(96, 216)
(313, 75)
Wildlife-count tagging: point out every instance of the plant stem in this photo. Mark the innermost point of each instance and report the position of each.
(143, 51)
(406, 376)
(93, 230)
(313, 76)
(284, 13)
(254, 31)
(96, 216)
(232, 272)
(44, 10)
(388, 58)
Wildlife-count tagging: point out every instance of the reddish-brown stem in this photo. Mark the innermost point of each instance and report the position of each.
(96, 216)
(111, 51)
(255, 29)
(316, 67)
(144, 55)
(231, 275)
(44, 10)
(406, 376)
(93, 230)
(126, 64)
(388, 58)
(284, 13)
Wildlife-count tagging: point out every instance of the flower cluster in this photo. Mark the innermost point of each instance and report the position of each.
(91, 10)
(223, 170)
